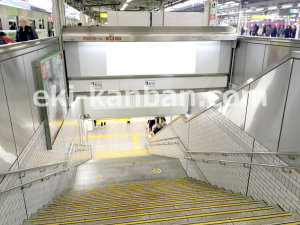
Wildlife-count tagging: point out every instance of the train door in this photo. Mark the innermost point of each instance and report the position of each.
(41, 24)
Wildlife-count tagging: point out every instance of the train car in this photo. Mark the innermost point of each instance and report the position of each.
(39, 19)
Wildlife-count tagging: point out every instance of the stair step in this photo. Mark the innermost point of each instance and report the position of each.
(150, 206)
(263, 219)
(145, 197)
(133, 194)
(154, 200)
(150, 217)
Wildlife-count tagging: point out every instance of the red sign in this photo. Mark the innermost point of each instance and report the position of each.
(110, 38)
(50, 18)
(212, 16)
(44, 71)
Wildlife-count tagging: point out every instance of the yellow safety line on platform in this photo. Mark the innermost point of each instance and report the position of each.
(122, 153)
(162, 219)
(136, 142)
(148, 203)
(143, 202)
(116, 135)
(293, 223)
(147, 213)
(246, 219)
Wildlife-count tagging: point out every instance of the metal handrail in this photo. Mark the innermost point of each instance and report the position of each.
(244, 163)
(32, 168)
(38, 167)
(48, 175)
(228, 153)
(248, 153)
(165, 139)
(40, 178)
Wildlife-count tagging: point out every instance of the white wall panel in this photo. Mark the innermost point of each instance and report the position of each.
(115, 18)
(84, 85)
(200, 82)
(208, 54)
(92, 58)
(139, 84)
(183, 19)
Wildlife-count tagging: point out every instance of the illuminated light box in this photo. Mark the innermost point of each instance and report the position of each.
(145, 58)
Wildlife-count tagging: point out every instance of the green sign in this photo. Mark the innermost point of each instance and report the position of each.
(12, 10)
(11, 18)
(41, 16)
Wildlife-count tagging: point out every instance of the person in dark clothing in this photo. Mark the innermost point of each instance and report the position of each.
(274, 31)
(4, 40)
(280, 31)
(242, 30)
(25, 32)
(255, 29)
(157, 129)
(151, 123)
(286, 32)
(293, 31)
(264, 30)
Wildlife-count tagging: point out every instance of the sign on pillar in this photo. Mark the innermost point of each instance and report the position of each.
(213, 13)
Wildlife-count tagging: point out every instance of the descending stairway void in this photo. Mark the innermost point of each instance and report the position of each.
(148, 195)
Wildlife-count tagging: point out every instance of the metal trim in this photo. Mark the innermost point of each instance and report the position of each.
(271, 41)
(141, 34)
(13, 50)
(147, 76)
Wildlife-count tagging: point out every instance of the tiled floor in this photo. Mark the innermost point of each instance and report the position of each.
(118, 139)
(127, 169)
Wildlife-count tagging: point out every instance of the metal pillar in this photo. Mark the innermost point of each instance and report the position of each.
(82, 19)
(240, 17)
(59, 18)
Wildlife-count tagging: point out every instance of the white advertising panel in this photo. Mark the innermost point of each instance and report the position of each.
(183, 19)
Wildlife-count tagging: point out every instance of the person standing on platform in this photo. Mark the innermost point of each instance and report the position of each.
(280, 31)
(268, 31)
(25, 32)
(293, 31)
(274, 31)
(265, 29)
(286, 32)
(260, 31)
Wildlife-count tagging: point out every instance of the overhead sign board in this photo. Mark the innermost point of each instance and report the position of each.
(287, 12)
(103, 15)
(258, 17)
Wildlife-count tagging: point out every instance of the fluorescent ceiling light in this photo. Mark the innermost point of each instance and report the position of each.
(249, 10)
(234, 4)
(286, 6)
(128, 0)
(273, 7)
(259, 9)
(124, 6)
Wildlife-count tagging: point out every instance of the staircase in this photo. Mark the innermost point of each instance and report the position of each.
(167, 201)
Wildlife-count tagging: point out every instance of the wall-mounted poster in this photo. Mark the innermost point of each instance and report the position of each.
(54, 84)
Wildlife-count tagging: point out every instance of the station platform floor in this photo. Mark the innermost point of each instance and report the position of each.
(118, 139)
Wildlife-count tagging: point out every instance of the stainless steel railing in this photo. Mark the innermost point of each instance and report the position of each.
(292, 155)
(68, 162)
(223, 162)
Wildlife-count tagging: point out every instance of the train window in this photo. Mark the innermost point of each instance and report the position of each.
(32, 23)
(12, 20)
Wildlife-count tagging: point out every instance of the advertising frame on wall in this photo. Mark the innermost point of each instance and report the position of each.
(53, 83)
